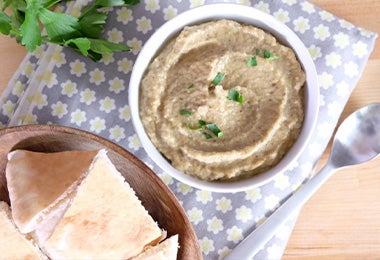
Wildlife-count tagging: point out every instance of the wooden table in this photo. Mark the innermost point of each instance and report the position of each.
(341, 221)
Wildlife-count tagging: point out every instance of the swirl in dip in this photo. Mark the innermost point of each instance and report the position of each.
(223, 100)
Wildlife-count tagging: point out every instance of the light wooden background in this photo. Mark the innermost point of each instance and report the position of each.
(341, 221)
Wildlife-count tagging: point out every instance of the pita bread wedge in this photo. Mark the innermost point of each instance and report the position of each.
(14, 245)
(105, 219)
(38, 182)
(50, 220)
(166, 250)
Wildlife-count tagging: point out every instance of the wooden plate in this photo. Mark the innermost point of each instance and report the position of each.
(156, 197)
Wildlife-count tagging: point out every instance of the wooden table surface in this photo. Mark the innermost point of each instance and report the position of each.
(342, 220)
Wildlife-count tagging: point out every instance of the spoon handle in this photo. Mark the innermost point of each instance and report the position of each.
(256, 240)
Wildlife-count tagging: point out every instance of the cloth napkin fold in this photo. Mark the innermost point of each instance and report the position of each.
(54, 85)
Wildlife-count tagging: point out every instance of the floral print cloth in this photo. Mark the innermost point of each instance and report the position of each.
(54, 85)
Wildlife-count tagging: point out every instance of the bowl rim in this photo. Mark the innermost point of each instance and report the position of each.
(244, 14)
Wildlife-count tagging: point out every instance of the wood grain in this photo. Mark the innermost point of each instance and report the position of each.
(341, 221)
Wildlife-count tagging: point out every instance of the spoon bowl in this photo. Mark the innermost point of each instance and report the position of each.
(358, 138)
(356, 141)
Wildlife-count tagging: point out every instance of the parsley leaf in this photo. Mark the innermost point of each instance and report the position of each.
(185, 112)
(94, 48)
(235, 96)
(59, 27)
(203, 125)
(252, 62)
(5, 4)
(215, 129)
(207, 135)
(50, 3)
(83, 45)
(91, 25)
(218, 78)
(272, 58)
(103, 46)
(5, 23)
(107, 3)
(30, 29)
(268, 56)
(17, 16)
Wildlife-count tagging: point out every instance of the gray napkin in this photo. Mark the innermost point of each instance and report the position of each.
(54, 85)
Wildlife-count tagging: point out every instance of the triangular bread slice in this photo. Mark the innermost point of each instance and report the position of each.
(166, 250)
(38, 182)
(105, 219)
(50, 220)
(13, 244)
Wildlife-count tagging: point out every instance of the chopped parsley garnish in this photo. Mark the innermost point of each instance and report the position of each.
(197, 128)
(190, 86)
(272, 58)
(252, 62)
(207, 135)
(268, 56)
(218, 78)
(203, 125)
(215, 129)
(235, 96)
(185, 112)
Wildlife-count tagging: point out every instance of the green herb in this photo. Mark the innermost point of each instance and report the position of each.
(218, 78)
(190, 86)
(268, 56)
(185, 112)
(197, 128)
(215, 129)
(203, 125)
(207, 135)
(235, 96)
(257, 51)
(5, 23)
(252, 62)
(83, 34)
(272, 58)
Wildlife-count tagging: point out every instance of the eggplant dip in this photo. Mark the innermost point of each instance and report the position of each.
(223, 100)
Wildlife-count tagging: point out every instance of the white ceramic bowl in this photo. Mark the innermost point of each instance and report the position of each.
(246, 15)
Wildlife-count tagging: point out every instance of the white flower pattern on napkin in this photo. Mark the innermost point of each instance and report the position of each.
(57, 86)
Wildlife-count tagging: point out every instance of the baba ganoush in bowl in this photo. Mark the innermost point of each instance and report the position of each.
(223, 97)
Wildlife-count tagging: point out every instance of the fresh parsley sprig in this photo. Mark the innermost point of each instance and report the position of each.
(26, 19)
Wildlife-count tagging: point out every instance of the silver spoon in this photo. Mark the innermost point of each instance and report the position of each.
(356, 141)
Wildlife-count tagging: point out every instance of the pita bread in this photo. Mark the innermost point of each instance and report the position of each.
(50, 220)
(14, 245)
(105, 219)
(166, 250)
(27, 172)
